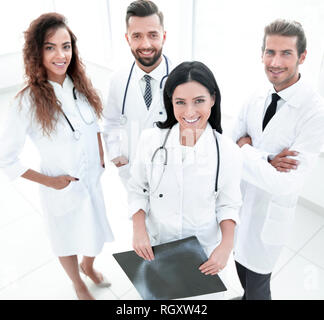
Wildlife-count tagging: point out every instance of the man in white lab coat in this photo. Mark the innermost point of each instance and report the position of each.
(135, 96)
(281, 133)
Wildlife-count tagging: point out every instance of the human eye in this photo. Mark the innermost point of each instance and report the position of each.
(269, 52)
(154, 35)
(287, 53)
(67, 47)
(200, 100)
(49, 48)
(179, 102)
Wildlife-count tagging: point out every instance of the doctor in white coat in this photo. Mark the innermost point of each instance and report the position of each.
(135, 99)
(179, 191)
(280, 132)
(59, 115)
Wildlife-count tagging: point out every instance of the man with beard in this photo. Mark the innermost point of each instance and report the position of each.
(135, 100)
(281, 133)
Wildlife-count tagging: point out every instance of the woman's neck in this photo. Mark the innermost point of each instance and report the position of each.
(189, 137)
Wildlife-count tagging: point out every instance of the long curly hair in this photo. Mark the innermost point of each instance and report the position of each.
(45, 104)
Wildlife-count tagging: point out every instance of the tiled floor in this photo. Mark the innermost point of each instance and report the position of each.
(28, 269)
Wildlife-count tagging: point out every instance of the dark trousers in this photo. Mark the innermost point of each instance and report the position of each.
(256, 286)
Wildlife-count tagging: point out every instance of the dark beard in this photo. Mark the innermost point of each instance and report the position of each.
(151, 61)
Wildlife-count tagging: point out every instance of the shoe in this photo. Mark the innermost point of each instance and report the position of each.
(103, 284)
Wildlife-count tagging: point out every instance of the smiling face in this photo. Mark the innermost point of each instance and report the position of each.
(192, 105)
(146, 37)
(57, 54)
(281, 61)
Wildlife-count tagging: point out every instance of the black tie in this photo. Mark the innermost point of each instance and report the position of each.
(148, 91)
(271, 110)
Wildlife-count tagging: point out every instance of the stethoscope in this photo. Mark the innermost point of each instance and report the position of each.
(164, 150)
(123, 118)
(76, 132)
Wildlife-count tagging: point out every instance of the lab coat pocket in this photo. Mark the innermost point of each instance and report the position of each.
(124, 171)
(61, 202)
(278, 224)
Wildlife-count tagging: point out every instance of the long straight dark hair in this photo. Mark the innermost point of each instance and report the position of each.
(186, 72)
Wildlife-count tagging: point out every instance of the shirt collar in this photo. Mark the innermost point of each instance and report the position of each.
(292, 93)
(157, 73)
(66, 85)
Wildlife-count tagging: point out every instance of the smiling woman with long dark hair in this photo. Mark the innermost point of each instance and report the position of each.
(185, 180)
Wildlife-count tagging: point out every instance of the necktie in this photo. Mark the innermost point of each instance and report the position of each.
(148, 91)
(271, 110)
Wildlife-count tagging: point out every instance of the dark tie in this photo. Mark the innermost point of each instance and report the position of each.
(271, 110)
(148, 91)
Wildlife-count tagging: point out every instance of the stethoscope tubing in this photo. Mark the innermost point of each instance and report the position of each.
(128, 81)
(163, 148)
(76, 133)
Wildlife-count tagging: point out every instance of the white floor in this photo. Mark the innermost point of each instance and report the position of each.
(28, 269)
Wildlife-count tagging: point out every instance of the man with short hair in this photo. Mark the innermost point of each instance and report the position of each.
(281, 133)
(135, 99)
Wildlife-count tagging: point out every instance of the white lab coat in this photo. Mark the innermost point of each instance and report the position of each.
(121, 140)
(269, 196)
(76, 215)
(184, 203)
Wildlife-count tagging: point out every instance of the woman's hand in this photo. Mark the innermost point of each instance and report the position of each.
(60, 182)
(217, 260)
(219, 257)
(120, 161)
(141, 240)
(142, 245)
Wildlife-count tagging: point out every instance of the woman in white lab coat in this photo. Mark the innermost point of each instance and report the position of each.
(176, 200)
(58, 110)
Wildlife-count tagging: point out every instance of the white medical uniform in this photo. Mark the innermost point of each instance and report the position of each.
(76, 215)
(270, 196)
(121, 140)
(183, 204)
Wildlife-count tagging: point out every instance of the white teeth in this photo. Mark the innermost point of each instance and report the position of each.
(146, 52)
(59, 64)
(276, 71)
(191, 120)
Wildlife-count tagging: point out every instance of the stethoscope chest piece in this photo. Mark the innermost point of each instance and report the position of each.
(76, 134)
(123, 120)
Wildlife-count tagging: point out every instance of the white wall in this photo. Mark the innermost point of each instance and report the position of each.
(227, 37)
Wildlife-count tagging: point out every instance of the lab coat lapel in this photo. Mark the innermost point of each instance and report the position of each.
(276, 122)
(152, 109)
(255, 117)
(175, 154)
(135, 106)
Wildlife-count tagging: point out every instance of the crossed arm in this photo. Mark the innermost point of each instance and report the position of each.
(281, 161)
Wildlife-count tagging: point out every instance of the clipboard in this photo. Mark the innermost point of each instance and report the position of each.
(173, 274)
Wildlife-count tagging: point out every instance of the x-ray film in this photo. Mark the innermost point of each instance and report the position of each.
(173, 274)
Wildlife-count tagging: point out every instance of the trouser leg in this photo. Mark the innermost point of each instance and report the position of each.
(241, 272)
(256, 286)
